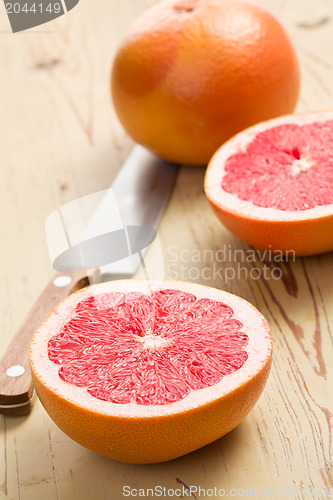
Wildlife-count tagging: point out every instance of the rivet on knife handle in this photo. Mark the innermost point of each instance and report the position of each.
(16, 390)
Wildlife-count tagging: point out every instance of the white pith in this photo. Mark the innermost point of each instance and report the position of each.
(151, 342)
(301, 165)
(231, 203)
(259, 350)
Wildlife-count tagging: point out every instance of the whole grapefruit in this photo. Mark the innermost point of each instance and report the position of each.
(189, 74)
(148, 371)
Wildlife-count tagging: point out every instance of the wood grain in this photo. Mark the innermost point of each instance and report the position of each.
(60, 139)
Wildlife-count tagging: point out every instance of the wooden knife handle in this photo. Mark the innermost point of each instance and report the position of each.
(16, 390)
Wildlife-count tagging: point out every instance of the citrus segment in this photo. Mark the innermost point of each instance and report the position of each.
(272, 184)
(147, 372)
(189, 75)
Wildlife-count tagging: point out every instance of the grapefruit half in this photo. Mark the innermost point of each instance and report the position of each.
(145, 372)
(272, 184)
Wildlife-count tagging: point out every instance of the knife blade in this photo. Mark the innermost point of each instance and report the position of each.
(112, 246)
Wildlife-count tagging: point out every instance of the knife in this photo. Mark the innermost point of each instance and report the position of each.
(112, 246)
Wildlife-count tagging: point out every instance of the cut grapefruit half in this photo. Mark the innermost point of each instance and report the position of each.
(272, 184)
(145, 372)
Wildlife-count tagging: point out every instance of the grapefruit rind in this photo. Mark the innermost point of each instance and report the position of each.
(146, 434)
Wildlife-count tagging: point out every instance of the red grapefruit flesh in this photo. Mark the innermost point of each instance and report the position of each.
(148, 372)
(272, 184)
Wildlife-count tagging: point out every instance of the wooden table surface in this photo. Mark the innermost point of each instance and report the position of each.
(60, 140)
